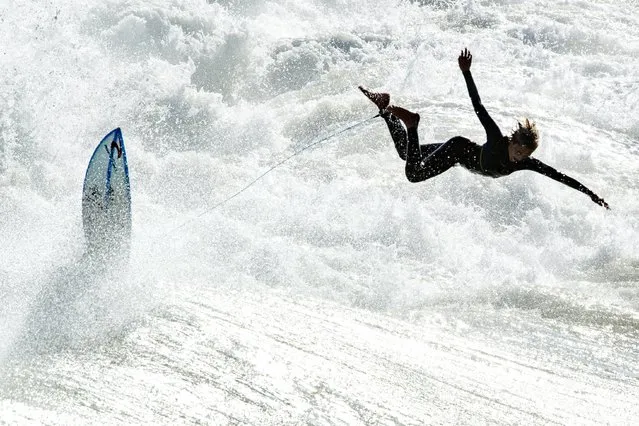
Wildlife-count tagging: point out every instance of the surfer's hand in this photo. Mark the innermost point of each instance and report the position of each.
(465, 60)
(599, 201)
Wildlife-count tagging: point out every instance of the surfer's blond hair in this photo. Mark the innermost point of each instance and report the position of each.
(526, 134)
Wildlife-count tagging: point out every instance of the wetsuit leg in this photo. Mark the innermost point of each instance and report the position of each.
(400, 137)
(422, 165)
(398, 133)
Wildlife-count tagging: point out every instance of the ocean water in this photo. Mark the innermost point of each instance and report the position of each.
(332, 291)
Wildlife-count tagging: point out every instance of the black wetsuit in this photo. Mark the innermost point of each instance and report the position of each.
(491, 159)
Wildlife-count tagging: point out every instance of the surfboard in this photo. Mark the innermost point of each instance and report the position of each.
(106, 197)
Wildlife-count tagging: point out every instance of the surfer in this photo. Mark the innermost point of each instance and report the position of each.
(499, 156)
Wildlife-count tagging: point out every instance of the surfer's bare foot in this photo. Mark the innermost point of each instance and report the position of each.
(381, 100)
(410, 119)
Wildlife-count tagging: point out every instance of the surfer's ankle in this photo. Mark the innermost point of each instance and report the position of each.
(410, 119)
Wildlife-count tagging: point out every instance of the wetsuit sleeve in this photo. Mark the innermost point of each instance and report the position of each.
(539, 167)
(492, 130)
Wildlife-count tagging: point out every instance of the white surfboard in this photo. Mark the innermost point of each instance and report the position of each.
(106, 197)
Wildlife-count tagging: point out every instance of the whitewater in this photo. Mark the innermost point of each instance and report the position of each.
(332, 291)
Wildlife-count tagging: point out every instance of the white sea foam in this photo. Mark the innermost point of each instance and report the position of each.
(332, 263)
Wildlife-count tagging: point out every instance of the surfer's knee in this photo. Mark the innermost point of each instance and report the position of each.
(411, 173)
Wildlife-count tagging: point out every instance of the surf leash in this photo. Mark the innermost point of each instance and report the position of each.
(254, 181)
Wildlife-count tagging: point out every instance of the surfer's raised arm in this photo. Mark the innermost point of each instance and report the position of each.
(492, 130)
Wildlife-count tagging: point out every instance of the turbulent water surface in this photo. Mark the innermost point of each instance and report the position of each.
(332, 291)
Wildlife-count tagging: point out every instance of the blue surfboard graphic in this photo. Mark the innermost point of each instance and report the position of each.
(106, 196)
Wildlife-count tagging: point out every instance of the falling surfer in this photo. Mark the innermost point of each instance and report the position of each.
(499, 156)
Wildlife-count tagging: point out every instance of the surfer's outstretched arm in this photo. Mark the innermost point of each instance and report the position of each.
(544, 169)
(492, 130)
